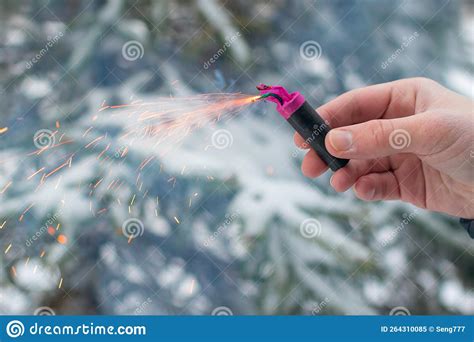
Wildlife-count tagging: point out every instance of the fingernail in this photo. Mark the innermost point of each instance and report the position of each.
(340, 140)
(331, 180)
(371, 193)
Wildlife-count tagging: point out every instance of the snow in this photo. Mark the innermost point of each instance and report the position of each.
(36, 276)
(454, 296)
(34, 87)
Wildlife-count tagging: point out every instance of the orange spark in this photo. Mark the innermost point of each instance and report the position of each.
(94, 141)
(57, 169)
(146, 161)
(62, 239)
(24, 212)
(35, 173)
(101, 153)
(6, 187)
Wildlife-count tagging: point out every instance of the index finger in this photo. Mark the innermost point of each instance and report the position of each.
(387, 100)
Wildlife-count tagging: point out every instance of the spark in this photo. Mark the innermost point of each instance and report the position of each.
(97, 184)
(42, 149)
(125, 151)
(3, 130)
(62, 239)
(13, 271)
(35, 173)
(111, 184)
(103, 210)
(8, 248)
(57, 169)
(3, 224)
(146, 162)
(172, 179)
(176, 219)
(101, 153)
(60, 283)
(96, 140)
(87, 131)
(191, 289)
(59, 181)
(6, 187)
(43, 253)
(24, 212)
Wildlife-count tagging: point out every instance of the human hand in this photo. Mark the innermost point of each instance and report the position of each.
(409, 140)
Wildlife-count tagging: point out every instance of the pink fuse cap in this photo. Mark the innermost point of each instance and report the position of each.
(290, 102)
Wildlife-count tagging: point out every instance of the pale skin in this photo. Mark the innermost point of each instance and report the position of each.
(432, 166)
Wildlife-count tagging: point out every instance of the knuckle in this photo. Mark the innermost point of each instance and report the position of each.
(423, 81)
(379, 132)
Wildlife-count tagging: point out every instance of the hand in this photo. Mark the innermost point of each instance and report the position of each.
(409, 140)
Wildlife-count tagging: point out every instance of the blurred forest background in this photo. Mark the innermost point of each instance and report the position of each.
(258, 238)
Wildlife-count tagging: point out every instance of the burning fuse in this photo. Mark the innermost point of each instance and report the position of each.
(304, 119)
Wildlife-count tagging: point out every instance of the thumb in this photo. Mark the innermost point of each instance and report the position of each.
(378, 138)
